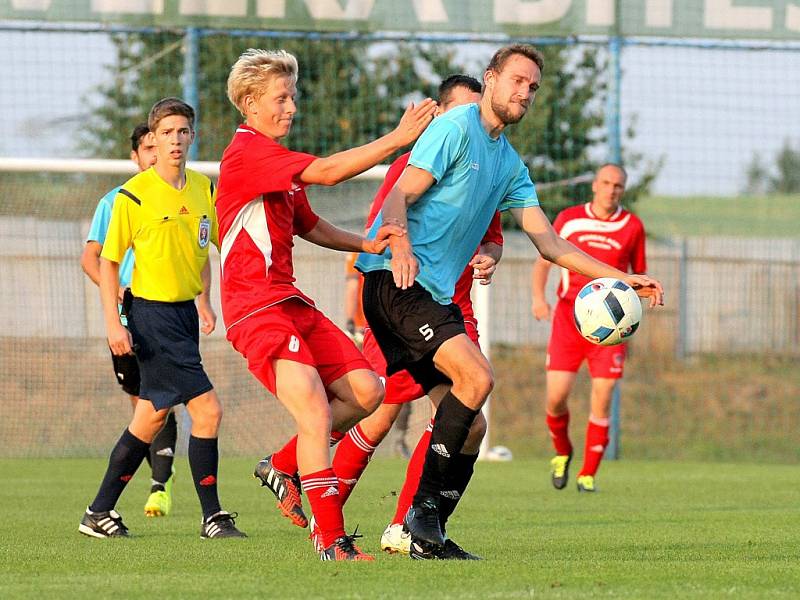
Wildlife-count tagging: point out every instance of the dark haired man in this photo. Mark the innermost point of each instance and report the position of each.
(167, 214)
(126, 369)
(461, 171)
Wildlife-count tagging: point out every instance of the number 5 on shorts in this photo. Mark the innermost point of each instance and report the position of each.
(426, 332)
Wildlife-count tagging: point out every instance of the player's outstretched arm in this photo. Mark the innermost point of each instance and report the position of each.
(349, 163)
(539, 306)
(328, 235)
(558, 250)
(119, 338)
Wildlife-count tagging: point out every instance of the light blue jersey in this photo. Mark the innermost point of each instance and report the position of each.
(97, 233)
(475, 176)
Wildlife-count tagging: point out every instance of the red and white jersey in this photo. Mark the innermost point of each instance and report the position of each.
(494, 234)
(260, 208)
(617, 241)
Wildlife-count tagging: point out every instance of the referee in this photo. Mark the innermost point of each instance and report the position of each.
(166, 214)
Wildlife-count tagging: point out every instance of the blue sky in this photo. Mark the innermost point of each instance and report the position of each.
(703, 112)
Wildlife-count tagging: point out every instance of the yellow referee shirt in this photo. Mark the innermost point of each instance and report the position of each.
(169, 231)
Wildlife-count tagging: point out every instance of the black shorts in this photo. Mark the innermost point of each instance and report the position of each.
(409, 326)
(126, 369)
(167, 336)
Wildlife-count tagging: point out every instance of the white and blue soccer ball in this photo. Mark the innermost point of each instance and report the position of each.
(607, 311)
(499, 454)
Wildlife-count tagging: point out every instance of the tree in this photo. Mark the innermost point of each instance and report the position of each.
(348, 94)
(784, 179)
(787, 165)
(757, 177)
(352, 91)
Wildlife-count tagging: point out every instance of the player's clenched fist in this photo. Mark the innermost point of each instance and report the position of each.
(483, 267)
(540, 310)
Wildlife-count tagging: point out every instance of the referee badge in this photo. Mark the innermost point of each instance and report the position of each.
(204, 232)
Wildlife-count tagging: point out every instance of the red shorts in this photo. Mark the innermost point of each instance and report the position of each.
(568, 348)
(400, 387)
(293, 330)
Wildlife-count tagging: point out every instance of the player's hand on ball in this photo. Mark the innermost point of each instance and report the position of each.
(414, 121)
(540, 310)
(381, 241)
(120, 341)
(647, 287)
(483, 267)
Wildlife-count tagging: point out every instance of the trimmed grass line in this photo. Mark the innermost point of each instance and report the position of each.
(764, 217)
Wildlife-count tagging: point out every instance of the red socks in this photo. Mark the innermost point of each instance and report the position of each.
(559, 432)
(413, 473)
(322, 490)
(351, 458)
(596, 442)
(285, 459)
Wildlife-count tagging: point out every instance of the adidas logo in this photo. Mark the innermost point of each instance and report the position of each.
(348, 481)
(165, 452)
(452, 494)
(183, 211)
(331, 491)
(441, 450)
(597, 448)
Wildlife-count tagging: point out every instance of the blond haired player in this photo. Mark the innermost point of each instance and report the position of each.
(294, 350)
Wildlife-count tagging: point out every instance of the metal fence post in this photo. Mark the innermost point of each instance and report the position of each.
(682, 345)
(613, 129)
(191, 67)
(615, 156)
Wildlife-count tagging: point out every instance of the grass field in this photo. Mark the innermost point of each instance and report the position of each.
(741, 216)
(655, 530)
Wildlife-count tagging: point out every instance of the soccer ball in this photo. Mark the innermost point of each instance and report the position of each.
(607, 311)
(499, 454)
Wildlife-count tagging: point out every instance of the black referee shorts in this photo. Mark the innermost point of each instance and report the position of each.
(168, 339)
(409, 326)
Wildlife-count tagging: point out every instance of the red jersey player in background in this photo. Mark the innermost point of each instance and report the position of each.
(356, 449)
(606, 231)
(296, 352)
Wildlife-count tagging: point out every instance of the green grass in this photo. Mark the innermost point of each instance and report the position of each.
(655, 530)
(740, 216)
